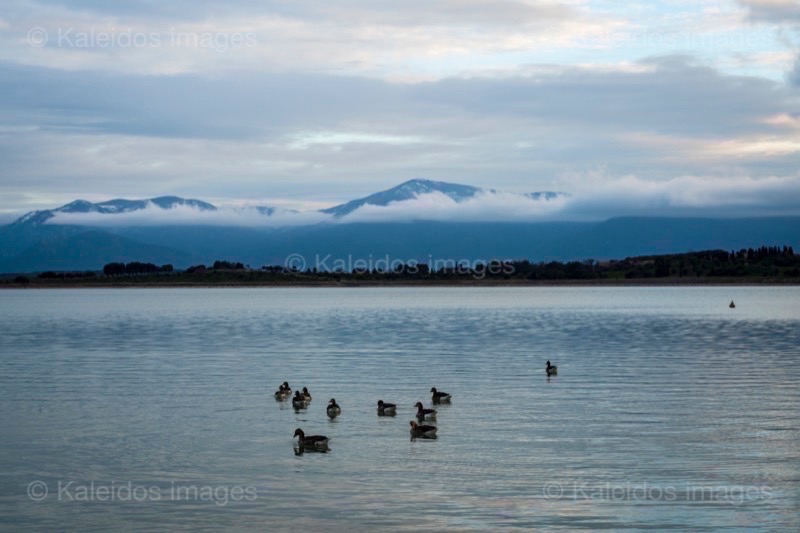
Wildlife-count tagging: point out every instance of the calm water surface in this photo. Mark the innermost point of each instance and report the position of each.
(153, 409)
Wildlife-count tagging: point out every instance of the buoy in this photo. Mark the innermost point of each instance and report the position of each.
(733, 305)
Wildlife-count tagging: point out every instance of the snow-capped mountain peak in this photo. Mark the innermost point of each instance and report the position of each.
(407, 191)
(414, 188)
(111, 207)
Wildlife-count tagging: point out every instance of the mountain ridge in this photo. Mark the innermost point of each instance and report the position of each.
(405, 191)
(53, 247)
(110, 207)
(413, 188)
(31, 244)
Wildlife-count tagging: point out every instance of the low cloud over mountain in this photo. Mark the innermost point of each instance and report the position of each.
(415, 220)
(419, 199)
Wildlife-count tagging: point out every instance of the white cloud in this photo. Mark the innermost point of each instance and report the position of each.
(306, 140)
(518, 94)
(773, 10)
(482, 207)
(603, 196)
(599, 196)
(376, 38)
(186, 215)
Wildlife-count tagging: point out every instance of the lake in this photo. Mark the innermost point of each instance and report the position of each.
(148, 409)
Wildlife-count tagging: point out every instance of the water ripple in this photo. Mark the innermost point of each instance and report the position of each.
(667, 409)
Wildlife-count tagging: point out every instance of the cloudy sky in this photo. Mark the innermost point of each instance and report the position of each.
(684, 104)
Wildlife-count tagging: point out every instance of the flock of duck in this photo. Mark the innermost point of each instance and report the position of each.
(302, 399)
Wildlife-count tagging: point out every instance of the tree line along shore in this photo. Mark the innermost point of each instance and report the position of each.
(767, 264)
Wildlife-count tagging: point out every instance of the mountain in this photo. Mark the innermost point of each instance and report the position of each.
(405, 191)
(90, 250)
(112, 207)
(334, 245)
(413, 188)
(639, 236)
(30, 244)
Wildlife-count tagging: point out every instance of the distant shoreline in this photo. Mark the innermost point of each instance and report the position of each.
(168, 284)
(774, 266)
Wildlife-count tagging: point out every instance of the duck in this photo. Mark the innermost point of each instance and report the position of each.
(386, 409)
(551, 370)
(426, 432)
(281, 393)
(287, 388)
(439, 396)
(425, 414)
(333, 409)
(311, 442)
(306, 394)
(299, 401)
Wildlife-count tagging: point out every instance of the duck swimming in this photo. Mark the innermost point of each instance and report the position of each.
(551, 370)
(386, 409)
(425, 414)
(333, 409)
(286, 387)
(281, 393)
(299, 401)
(311, 442)
(425, 432)
(439, 396)
(306, 395)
